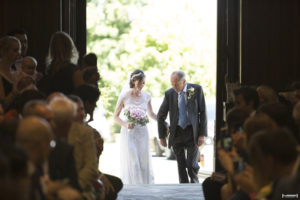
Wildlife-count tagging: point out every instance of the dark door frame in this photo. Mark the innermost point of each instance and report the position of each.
(228, 58)
(73, 22)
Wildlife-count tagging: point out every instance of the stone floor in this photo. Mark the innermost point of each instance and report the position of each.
(162, 192)
(166, 185)
(164, 170)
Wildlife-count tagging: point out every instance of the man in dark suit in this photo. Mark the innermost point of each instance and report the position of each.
(188, 124)
(62, 164)
(34, 135)
(61, 161)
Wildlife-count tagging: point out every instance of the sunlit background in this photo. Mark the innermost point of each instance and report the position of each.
(157, 36)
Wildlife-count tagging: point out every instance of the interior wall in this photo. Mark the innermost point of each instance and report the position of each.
(270, 42)
(41, 18)
(228, 58)
(74, 23)
(270, 39)
(258, 42)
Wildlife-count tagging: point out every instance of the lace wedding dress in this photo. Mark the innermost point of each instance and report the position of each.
(136, 167)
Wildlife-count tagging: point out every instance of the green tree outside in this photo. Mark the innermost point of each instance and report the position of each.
(158, 37)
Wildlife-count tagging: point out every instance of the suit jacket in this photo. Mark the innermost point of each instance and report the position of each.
(35, 190)
(196, 109)
(81, 137)
(62, 164)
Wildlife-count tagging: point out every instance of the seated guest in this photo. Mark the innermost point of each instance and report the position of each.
(273, 154)
(80, 115)
(17, 182)
(10, 48)
(91, 76)
(277, 111)
(89, 94)
(220, 184)
(1, 112)
(236, 151)
(90, 71)
(89, 60)
(22, 36)
(8, 129)
(240, 180)
(230, 87)
(246, 98)
(61, 158)
(235, 120)
(257, 123)
(63, 74)
(27, 77)
(81, 138)
(29, 65)
(34, 136)
(4, 178)
(245, 178)
(296, 89)
(53, 95)
(296, 116)
(292, 95)
(266, 94)
(111, 183)
(25, 97)
(282, 115)
(39, 108)
(289, 185)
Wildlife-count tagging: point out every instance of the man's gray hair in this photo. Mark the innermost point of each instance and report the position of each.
(32, 130)
(64, 110)
(180, 74)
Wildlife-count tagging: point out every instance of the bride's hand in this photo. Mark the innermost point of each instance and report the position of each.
(130, 125)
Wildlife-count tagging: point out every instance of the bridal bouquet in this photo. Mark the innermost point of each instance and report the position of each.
(136, 115)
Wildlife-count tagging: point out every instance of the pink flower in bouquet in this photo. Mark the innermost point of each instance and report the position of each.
(136, 115)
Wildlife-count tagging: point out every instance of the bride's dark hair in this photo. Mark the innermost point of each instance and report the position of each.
(137, 75)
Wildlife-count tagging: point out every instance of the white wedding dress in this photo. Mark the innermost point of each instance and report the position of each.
(136, 167)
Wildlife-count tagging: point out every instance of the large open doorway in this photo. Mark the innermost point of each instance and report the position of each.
(157, 36)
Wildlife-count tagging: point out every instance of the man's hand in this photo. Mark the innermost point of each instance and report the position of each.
(245, 180)
(52, 187)
(68, 193)
(226, 160)
(200, 140)
(163, 142)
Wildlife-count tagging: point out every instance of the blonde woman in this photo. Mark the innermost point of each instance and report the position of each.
(10, 49)
(63, 74)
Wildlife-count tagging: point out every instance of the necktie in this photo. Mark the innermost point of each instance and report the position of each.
(182, 111)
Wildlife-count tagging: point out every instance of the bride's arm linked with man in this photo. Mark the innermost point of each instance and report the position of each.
(185, 104)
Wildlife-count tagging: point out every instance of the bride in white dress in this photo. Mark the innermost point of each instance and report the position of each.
(136, 167)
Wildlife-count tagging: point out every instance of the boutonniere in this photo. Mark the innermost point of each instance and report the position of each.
(190, 92)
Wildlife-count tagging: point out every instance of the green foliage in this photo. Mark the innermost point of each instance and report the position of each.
(152, 42)
(157, 36)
